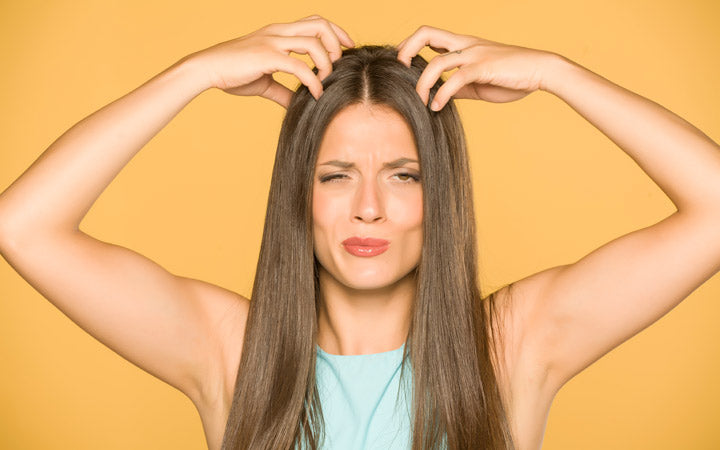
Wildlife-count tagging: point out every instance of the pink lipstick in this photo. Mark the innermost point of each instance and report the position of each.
(365, 246)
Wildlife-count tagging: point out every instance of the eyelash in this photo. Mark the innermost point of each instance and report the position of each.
(415, 178)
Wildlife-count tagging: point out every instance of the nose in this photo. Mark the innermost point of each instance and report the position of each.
(368, 204)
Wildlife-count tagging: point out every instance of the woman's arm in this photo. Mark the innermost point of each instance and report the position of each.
(569, 316)
(186, 332)
(682, 160)
(159, 321)
(579, 312)
(57, 190)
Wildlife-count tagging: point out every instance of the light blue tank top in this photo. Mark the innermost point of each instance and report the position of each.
(358, 397)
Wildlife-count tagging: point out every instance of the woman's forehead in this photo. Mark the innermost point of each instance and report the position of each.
(368, 132)
(399, 162)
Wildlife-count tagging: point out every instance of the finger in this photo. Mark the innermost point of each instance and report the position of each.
(435, 37)
(342, 35)
(278, 93)
(308, 45)
(435, 69)
(455, 83)
(294, 66)
(345, 37)
(329, 34)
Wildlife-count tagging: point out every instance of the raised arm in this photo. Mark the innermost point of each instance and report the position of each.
(589, 307)
(154, 319)
(173, 327)
(567, 317)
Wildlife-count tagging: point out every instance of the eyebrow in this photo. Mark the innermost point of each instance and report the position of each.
(388, 165)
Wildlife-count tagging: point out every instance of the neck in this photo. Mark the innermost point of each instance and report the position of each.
(364, 321)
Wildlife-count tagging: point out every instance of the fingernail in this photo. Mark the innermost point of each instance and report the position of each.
(434, 105)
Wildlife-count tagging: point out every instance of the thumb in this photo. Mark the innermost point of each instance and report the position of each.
(278, 93)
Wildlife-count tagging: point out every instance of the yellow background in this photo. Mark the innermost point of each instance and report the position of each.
(549, 189)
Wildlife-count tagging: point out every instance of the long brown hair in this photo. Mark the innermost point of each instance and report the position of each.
(456, 398)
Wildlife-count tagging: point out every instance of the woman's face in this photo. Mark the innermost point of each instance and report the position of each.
(355, 194)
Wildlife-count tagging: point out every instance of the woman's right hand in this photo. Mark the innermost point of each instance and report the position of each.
(244, 66)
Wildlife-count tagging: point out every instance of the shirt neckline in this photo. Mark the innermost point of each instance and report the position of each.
(332, 355)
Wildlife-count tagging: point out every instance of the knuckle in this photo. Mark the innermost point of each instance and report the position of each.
(270, 28)
(470, 68)
(476, 41)
(316, 43)
(431, 65)
(476, 45)
(266, 45)
(321, 20)
(328, 27)
(262, 46)
(437, 62)
(297, 66)
(461, 76)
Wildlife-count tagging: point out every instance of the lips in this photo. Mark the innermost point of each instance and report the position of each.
(365, 246)
(365, 242)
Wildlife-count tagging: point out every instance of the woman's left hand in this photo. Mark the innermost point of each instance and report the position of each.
(487, 70)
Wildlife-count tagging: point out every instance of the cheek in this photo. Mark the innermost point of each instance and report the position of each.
(322, 210)
(413, 222)
(411, 209)
(325, 211)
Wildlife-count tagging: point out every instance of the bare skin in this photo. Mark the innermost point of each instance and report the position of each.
(560, 320)
(366, 301)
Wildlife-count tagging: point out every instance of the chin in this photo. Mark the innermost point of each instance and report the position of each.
(372, 279)
(368, 284)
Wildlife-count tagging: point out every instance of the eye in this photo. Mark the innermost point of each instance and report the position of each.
(331, 177)
(415, 178)
(410, 178)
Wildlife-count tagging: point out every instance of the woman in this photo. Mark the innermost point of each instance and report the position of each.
(360, 155)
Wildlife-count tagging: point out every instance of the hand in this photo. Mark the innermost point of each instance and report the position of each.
(244, 66)
(487, 70)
